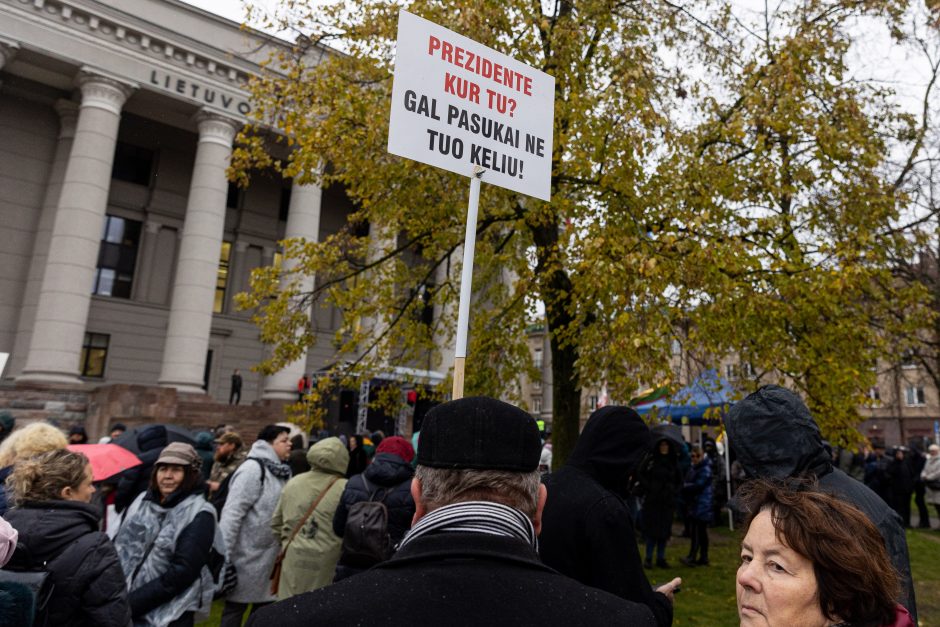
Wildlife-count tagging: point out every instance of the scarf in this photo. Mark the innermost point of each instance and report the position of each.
(278, 469)
(486, 517)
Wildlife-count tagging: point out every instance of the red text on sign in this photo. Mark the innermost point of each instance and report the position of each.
(471, 61)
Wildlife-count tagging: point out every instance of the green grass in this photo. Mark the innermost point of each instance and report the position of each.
(707, 596)
(924, 547)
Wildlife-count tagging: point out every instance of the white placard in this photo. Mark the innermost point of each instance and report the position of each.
(457, 104)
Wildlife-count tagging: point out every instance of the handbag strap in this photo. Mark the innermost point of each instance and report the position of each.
(310, 511)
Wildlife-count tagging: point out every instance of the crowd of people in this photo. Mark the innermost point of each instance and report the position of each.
(466, 523)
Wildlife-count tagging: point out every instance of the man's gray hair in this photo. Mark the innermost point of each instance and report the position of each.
(445, 486)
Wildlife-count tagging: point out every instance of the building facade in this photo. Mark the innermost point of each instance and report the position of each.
(124, 243)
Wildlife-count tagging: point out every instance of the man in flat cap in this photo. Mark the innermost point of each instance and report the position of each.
(470, 557)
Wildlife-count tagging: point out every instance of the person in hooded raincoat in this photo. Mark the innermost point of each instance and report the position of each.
(312, 555)
(587, 531)
(774, 437)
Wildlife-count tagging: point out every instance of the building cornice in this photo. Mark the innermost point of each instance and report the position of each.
(168, 47)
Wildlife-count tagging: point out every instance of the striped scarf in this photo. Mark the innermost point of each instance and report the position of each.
(475, 517)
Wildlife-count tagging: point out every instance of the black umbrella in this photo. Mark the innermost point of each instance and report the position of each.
(174, 433)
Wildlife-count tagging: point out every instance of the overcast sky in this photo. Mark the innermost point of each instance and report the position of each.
(232, 9)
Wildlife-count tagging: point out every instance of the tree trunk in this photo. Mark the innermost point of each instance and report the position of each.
(556, 290)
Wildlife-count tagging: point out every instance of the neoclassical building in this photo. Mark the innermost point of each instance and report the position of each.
(123, 243)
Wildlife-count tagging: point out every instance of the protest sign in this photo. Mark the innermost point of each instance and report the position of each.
(457, 105)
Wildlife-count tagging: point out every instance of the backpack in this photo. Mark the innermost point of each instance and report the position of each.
(218, 499)
(25, 595)
(366, 541)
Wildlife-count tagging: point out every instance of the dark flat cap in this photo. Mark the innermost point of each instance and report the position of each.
(479, 433)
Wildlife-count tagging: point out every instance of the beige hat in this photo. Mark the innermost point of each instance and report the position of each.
(180, 454)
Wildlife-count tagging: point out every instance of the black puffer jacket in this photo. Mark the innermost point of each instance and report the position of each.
(391, 476)
(82, 562)
(774, 436)
(587, 531)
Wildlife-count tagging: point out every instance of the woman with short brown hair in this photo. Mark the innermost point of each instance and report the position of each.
(810, 559)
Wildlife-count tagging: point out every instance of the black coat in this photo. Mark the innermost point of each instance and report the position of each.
(391, 475)
(587, 531)
(82, 562)
(774, 436)
(358, 461)
(658, 483)
(456, 579)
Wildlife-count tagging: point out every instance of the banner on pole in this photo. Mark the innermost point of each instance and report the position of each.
(457, 104)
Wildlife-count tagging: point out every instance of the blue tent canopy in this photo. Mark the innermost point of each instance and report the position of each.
(709, 394)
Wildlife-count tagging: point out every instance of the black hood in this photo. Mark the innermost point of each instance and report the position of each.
(615, 439)
(388, 469)
(774, 435)
(46, 528)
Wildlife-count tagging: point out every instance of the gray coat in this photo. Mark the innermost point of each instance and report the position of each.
(931, 472)
(246, 525)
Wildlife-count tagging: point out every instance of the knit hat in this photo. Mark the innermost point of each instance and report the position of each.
(180, 454)
(397, 445)
(480, 433)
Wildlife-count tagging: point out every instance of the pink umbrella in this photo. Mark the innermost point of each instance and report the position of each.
(106, 460)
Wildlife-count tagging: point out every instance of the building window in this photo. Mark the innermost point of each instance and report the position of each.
(536, 404)
(914, 395)
(907, 360)
(94, 354)
(592, 403)
(537, 358)
(132, 164)
(423, 308)
(233, 196)
(729, 372)
(537, 385)
(676, 347)
(117, 257)
(747, 370)
(221, 279)
(874, 394)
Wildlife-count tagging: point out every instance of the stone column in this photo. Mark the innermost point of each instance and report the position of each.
(303, 221)
(68, 117)
(148, 251)
(65, 295)
(184, 354)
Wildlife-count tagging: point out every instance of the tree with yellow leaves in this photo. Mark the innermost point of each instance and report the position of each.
(726, 186)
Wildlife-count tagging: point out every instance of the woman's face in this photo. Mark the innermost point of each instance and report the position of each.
(84, 490)
(776, 586)
(664, 448)
(281, 446)
(169, 478)
(353, 442)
